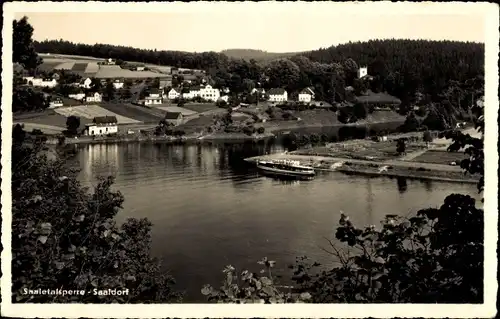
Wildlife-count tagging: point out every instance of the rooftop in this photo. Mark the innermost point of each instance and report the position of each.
(172, 115)
(276, 91)
(105, 120)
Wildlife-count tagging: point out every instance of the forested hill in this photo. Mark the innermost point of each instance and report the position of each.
(257, 55)
(425, 59)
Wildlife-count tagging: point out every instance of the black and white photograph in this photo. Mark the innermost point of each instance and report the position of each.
(249, 159)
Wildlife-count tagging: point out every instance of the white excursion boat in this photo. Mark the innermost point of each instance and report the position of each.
(286, 168)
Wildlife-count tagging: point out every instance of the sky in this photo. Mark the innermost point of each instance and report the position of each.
(252, 27)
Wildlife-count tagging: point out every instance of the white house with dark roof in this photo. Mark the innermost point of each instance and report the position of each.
(57, 102)
(306, 95)
(209, 93)
(40, 82)
(193, 92)
(362, 72)
(277, 95)
(93, 97)
(86, 83)
(174, 94)
(174, 118)
(258, 90)
(118, 84)
(77, 96)
(102, 125)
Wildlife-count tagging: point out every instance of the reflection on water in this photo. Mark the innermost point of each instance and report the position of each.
(402, 184)
(210, 208)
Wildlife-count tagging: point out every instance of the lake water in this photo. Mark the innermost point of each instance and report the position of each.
(210, 208)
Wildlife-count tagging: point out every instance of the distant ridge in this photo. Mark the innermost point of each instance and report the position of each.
(258, 55)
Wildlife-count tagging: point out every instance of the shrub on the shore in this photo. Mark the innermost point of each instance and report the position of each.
(261, 130)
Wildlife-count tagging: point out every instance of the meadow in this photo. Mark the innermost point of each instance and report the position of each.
(87, 66)
(440, 157)
(91, 111)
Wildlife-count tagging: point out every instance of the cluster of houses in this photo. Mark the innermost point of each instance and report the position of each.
(41, 82)
(206, 92)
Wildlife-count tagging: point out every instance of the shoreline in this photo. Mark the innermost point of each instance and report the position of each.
(401, 169)
(160, 139)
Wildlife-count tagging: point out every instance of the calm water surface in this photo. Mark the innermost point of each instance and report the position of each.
(210, 209)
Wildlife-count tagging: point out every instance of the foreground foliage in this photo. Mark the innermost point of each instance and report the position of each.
(65, 237)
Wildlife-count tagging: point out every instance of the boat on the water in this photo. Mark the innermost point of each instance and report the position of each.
(286, 168)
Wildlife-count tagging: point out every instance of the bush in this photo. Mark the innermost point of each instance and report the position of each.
(67, 237)
(261, 130)
(248, 287)
(36, 131)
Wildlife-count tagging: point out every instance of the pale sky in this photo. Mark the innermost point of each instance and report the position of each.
(246, 28)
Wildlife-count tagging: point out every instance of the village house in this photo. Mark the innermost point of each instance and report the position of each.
(118, 84)
(225, 90)
(277, 95)
(77, 96)
(93, 97)
(155, 97)
(209, 93)
(193, 92)
(40, 82)
(140, 68)
(362, 72)
(150, 100)
(86, 83)
(102, 125)
(174, 118)
(56, 103)
(111, 61)
(258, 90)
(174, 94)
(306, 95)
(224, 98)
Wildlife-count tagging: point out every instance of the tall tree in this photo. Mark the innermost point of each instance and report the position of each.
(23, 50)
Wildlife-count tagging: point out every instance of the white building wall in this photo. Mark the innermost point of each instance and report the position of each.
(153, 101)
(362, 72)
(278, 97)
(118, 85)
(208, 93)
(79, 96)
(102, 129)
(94, 98)
(305, 98)
(172, 94)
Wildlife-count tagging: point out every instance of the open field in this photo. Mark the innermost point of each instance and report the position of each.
(48, 66)
(361, 149)
(440, 157)
(197, 124)
(91, 111)
(88, 67)
(184, 111)
(79, 67)
(114, 71)
(200, 107)
(132, 111)
(67, 56)
(48, 118)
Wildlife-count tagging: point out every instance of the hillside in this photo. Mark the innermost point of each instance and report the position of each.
(257, 55)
